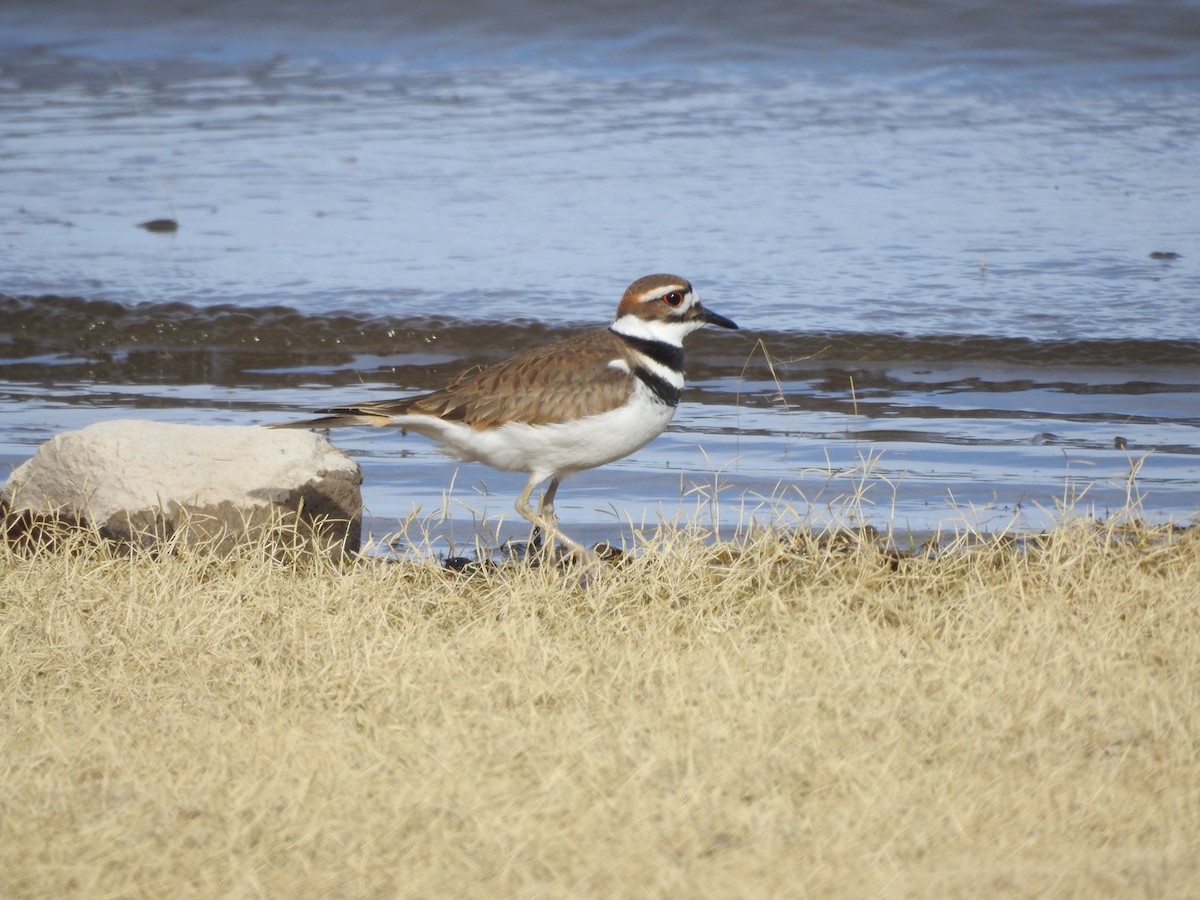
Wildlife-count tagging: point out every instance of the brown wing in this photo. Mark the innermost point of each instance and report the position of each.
(566, 380)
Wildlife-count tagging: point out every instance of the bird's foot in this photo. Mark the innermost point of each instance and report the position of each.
(548, 544)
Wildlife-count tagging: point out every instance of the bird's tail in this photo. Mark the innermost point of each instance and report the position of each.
(341, 417)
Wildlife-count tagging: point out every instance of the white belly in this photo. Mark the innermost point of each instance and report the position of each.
(547, 450)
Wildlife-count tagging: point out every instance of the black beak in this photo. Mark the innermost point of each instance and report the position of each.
(712, 318)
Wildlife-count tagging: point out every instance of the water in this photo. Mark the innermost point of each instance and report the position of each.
(934, 223)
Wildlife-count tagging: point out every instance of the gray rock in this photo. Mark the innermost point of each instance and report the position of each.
(146, 481)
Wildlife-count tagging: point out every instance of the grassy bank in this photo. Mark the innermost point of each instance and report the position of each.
(782, 718)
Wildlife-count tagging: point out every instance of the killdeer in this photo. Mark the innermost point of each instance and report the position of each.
(558, 409)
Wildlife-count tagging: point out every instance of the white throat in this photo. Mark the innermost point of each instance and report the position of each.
(668, 331)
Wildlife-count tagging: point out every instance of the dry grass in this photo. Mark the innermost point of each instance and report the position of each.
(783, 718)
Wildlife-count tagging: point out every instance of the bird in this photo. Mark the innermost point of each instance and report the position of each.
(561, 408)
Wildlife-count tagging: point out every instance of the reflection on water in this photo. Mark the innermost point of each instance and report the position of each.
(806, 202)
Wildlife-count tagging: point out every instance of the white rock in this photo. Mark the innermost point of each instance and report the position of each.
(143, 481)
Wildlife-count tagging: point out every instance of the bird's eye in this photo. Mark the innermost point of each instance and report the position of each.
(673, 299)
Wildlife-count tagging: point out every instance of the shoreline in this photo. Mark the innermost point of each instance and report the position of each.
(460, 507)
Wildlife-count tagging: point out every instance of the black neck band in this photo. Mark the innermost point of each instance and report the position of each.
(663, 389)
(660, 351)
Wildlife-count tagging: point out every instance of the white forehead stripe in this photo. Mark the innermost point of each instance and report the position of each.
(661, 292)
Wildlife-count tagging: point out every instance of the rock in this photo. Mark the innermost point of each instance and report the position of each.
(142, 482)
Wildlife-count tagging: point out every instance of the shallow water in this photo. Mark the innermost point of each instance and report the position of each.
(935, 227)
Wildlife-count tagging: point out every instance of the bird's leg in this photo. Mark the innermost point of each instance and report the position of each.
(550, 522)
(546, 507)
(545, 520)
(527, 513)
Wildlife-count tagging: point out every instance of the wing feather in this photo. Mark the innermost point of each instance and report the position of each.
(570, 379)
